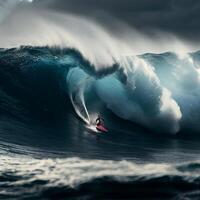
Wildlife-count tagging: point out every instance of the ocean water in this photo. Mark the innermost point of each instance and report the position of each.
(50, 149)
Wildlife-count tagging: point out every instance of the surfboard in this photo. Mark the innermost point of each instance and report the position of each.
(101, 128)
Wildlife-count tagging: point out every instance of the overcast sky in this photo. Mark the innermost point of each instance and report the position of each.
(181, 17)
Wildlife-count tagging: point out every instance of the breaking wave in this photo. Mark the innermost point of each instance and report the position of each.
(157, 91)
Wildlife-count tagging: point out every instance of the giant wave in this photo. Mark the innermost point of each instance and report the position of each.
(157, 91)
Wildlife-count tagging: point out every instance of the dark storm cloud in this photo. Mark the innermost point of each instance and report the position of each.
(114, 6)
(181, 17)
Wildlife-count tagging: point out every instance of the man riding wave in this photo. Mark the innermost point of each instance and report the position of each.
(99, 121)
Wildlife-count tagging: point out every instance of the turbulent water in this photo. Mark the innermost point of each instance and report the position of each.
(50, 149)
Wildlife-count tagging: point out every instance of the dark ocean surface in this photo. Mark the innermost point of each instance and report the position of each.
(50, 149)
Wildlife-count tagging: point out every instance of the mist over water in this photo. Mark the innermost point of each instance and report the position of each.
(96, 42)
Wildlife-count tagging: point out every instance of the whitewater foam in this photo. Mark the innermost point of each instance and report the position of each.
(75, 171)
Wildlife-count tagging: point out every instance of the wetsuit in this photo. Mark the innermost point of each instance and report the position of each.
(99, 121)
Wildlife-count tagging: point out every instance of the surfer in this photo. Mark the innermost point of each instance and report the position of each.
(100, 124)
(99, 121)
